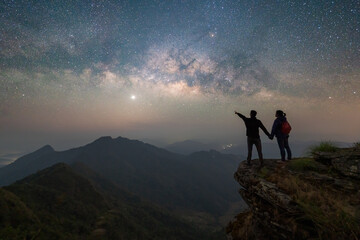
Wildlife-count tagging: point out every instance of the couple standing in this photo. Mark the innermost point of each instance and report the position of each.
(253, 138)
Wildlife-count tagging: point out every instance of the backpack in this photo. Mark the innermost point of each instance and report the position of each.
(285, 128)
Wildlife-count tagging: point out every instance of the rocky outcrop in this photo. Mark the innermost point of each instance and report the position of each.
(300, 199)
(346, 161)
(272, 211)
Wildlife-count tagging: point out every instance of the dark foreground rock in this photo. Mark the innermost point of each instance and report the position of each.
(299, 199)
(346, 161)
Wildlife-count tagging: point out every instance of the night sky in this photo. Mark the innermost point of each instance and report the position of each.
(72, 71)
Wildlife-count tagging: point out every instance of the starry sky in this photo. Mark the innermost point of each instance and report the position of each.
(166, 71)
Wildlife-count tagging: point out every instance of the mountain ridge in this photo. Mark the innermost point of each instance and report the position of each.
(58, 203)
(199, 184)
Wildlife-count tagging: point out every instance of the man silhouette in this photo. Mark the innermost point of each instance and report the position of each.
(252, 132)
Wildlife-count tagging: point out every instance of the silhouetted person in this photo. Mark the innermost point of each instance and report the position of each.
(282, 138)
(252, 132)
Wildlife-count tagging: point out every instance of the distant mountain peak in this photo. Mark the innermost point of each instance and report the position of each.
(121, 138)
(46, 148)
(108, 140)
(103, 139)
(40, 152)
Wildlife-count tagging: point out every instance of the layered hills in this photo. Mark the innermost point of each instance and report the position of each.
(60, 203)
(197, 187)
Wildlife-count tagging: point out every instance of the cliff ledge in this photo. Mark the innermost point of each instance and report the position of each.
(305, 198)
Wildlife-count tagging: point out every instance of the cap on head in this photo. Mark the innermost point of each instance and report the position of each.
(253, 113)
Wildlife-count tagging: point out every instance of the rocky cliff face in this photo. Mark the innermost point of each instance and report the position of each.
(306, 198)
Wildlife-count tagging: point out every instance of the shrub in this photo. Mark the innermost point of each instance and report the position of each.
(326, 146)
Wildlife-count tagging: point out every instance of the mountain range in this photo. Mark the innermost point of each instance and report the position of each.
(73, 202)
(270, 149)
(198, 187)
(190, 146)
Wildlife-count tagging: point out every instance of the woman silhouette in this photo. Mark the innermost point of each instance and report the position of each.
(282, 138)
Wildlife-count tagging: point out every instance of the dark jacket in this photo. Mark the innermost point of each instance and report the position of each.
(276, 128)
(252, 126)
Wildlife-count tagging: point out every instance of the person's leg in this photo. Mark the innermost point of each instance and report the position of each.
(249, 143)
(259, 150)
(280, 141)
(287, 147)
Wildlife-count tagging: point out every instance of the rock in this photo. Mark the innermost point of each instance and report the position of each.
(346, 161)
(299, 204)
(344, 184)
(272, 209)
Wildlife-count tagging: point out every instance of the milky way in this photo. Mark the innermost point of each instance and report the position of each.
(176, 70)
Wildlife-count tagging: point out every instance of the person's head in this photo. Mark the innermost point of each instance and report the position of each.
(280, 113)
(253, 113)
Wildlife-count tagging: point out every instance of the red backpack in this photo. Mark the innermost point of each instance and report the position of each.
(285, 128)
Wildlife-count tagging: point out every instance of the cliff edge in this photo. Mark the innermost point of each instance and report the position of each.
(305, 198)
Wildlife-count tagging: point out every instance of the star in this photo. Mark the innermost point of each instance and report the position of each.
(199, 57)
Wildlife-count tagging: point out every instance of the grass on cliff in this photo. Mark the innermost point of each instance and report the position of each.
(264, 172)
(332, 219)
(335, 214)
(304, 164)
(326, 146)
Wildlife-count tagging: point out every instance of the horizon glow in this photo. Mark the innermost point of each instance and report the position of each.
(171, 71)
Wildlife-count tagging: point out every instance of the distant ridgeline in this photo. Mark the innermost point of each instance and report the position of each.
(59, 203)
(306, 198)
(79, 192)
